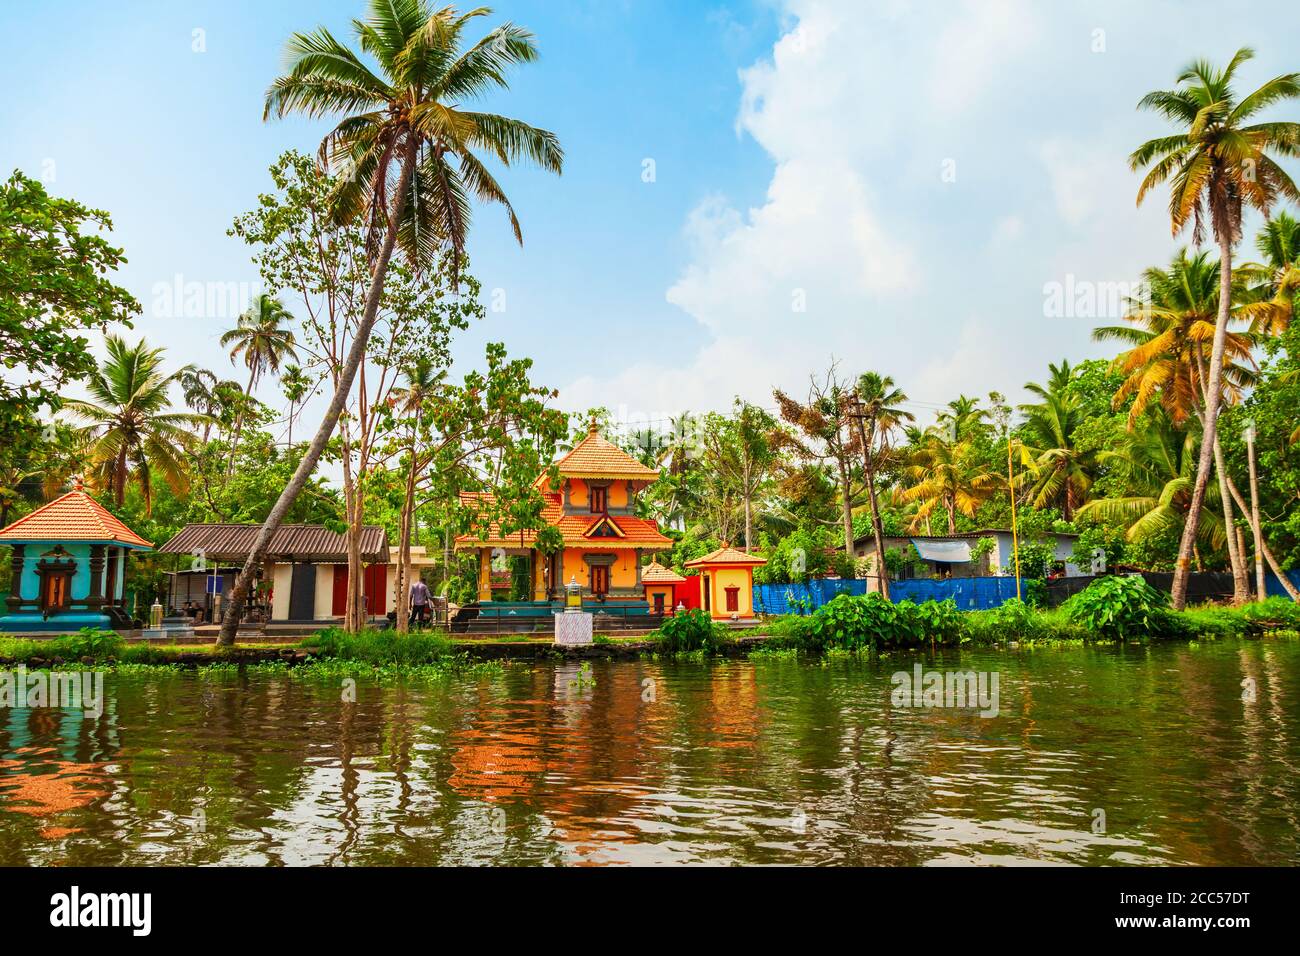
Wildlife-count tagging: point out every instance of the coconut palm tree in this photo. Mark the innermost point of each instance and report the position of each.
(1156, 464)
(296, 385)
(422, 380)
(262, 340)
(1172, 335)
(1216, 164)
(406, 149)
(1271, 284)
(1062, 473)
(944, 475)
(129, 433)
(877, 405)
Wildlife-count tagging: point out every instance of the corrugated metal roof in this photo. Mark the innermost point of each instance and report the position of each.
(73, 517)
(296, 542)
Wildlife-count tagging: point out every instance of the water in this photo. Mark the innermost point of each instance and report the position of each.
(737, 762)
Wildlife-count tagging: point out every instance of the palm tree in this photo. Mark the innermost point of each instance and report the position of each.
(1156, 463)
(1062, 472)
(422, 381)
(129, 433)
(877, 410)
(296, 385)
(1216, 165)
(1171, 339)
(261, 339)
(944, 474)
(203, 394)
(403, 128)
(1272, 283)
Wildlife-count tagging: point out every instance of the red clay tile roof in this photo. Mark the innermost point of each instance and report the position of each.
(595, 457)
(727, 555)
(637, 532)
(656, 573)
(73, 517)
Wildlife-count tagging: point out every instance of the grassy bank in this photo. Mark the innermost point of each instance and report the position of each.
(1112, 609)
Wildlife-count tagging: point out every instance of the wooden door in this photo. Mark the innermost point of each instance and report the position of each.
(600, 579)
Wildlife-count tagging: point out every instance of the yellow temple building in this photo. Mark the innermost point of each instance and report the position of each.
(593, 505)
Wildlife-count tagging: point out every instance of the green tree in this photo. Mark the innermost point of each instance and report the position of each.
(130, 432)
(55, 282)
(877, 413)
(1062, 470)
(1216, 164)
(405, 128)
(262, 340)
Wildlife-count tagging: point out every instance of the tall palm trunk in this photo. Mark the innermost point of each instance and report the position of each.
(404, 549)
(1213, 394)
(1264, 548)
(846, 509)
(239, 424)
(1236, 555)
(356, 354)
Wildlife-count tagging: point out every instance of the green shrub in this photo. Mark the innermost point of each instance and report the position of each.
(379, 647)
(690, 632)
(1273, 614)
(1121, 608)
(939, 621)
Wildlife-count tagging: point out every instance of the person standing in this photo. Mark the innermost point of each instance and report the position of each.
(419, 602)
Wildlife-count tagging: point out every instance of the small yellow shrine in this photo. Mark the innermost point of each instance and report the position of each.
(593, 504)
(727, 591)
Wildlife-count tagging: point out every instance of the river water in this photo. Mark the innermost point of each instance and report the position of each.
(1098, 755)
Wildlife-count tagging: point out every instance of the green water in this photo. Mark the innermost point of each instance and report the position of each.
(1097, 756)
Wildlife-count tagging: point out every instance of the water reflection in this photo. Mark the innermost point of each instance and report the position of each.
(634, 763)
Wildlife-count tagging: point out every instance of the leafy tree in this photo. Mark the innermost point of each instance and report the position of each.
(55, 282)
(406, 126)
(130, 432)
(1216, 165)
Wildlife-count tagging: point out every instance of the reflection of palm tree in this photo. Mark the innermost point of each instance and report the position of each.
(263, 342)
(129, 432)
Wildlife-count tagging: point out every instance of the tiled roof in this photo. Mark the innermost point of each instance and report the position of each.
(637, 532)
(656, 573)
(303, 542)
(73, 517)
(596, 457)
(727, 555)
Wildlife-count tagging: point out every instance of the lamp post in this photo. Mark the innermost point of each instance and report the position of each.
(1260, 589)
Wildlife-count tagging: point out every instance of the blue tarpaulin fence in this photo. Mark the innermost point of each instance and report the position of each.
(970, 594)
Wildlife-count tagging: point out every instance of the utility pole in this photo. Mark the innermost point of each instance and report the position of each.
(877, 528)
(1015, 534)
(1260, 589)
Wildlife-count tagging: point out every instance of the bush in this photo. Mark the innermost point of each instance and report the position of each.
(872, 622)
(689, 632)
(1121, 608)
(378, 647)
(1273, 614)
(939, 621)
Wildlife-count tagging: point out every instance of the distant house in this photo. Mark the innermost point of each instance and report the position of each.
(949, 556)
(305, 573)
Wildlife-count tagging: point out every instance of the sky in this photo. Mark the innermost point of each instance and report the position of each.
(752, 190)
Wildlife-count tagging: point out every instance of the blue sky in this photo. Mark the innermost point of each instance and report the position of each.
(891, 184)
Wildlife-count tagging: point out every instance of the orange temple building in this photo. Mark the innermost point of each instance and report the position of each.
(593, 505)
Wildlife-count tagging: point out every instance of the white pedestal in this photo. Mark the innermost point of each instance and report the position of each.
(573, 627)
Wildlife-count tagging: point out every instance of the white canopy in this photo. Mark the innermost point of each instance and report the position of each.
(949, 550)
